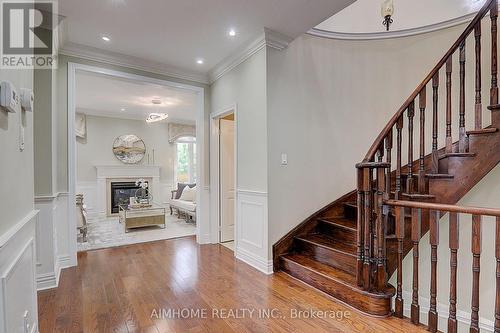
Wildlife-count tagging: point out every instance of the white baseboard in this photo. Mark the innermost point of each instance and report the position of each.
(463, 317)
(263, 265)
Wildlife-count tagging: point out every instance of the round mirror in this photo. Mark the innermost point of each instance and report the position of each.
(129, 149)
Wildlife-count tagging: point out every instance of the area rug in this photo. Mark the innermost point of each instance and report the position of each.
(109, 232)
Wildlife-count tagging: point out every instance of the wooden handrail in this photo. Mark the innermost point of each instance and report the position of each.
(379, 140)
(445, 207)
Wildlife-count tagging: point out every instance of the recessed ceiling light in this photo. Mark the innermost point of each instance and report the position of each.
(106, 38)
(122, 109)
(232, 33)
(200, 61)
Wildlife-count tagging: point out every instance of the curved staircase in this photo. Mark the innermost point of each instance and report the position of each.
(350, 248)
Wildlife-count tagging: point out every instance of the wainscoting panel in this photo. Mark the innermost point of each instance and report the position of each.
(252, 230)
(46, 238)
(18, 298)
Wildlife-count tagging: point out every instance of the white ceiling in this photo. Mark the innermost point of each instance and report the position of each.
(363, 16)
(178, 32)
(103, 95)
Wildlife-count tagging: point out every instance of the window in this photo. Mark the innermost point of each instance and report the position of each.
(185, 168)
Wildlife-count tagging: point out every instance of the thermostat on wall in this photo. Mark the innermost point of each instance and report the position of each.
(9, 98)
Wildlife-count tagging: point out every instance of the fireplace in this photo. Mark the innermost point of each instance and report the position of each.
(121, 192)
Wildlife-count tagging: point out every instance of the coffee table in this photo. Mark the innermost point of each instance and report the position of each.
(138, 217)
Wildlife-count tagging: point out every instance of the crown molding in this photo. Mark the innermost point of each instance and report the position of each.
(118, 59)
(392, 34)
(268, 38)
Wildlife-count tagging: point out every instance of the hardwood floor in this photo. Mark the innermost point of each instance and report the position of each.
(124, 289)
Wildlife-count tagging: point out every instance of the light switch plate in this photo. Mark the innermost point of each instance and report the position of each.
(284, 159)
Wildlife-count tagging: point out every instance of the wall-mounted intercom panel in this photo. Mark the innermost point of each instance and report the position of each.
(9, 97)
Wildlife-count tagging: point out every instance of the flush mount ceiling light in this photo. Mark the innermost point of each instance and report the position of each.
(122, 109)
(232, 33)
(154, 117)
(106, 38)
(200, 61)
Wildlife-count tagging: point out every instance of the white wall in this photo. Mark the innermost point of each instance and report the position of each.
(97, 148)
(245, 87)
(18, 217)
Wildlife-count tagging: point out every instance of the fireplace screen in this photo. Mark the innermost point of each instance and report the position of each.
(121, 192)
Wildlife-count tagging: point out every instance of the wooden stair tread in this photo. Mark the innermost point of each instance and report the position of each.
(329, 243)
(323, 269)
(488, 130)
(439, 176)
(341, 221)
(457, 155)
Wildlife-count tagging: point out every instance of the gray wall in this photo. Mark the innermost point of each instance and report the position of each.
(245, 86)
(96, 149)
(16, 167)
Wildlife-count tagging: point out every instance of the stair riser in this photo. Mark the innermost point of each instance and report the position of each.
(345, 293)
(350, 212)
(339, 260)
(336, 232)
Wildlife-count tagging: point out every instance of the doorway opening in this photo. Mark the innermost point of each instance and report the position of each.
(227, 180)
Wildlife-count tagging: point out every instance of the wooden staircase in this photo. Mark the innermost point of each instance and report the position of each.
(350, 248)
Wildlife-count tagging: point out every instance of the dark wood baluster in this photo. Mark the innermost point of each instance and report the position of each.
(367, 189)
(478, 118)
(421, 171)
(360, 224)
(494, 82)
(454, 242)
(409, 180)
(400, 234)
(497, 255)
(388, 159)
(435, 157)
(462, 137)
(381, 261)
(416, 221)
(399, 138)
(476, 259)
(434, 242)
(449, 142)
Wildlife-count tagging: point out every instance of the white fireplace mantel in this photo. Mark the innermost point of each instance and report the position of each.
(107, 173)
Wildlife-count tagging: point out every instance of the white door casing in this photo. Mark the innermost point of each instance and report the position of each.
(227, 177)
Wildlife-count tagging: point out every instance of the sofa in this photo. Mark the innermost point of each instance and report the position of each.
(184, 205)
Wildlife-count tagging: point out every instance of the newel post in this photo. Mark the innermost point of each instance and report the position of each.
(371, 245)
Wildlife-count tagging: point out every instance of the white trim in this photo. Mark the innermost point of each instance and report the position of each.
(463, 317)
(266, 38)
(249, 258)
(215, 234)
(47, 280)
(48, 198)
(201, 196)
(9, 235)
(254, 193)
(118, 59)
(392, 34)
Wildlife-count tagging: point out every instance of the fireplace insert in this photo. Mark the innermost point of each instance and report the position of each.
(121, 192)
